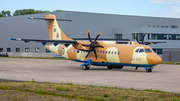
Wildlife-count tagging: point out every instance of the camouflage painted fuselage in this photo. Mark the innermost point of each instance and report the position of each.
(112, 54)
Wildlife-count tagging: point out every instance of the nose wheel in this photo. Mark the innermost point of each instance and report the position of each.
(149, 70)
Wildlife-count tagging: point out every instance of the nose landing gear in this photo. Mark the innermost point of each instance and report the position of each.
(148, 69)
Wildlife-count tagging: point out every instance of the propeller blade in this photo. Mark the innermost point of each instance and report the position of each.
(88, 52)
(95, 54)
(97, 37)
(136, 38)
(99, 46)
(85, 45)
(143, 37)
(89, 36)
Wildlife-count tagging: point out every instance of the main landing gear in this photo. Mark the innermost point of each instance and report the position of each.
(86, 66)
(115, 67)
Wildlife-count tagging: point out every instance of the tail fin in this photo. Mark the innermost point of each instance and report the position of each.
(55, 33)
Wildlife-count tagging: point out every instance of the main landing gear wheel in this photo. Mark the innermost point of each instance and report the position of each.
(85, 67)
(149, 70)
(115, 67)
(109, 67)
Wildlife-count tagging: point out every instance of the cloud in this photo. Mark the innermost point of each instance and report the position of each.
(169, 11)
(165, 1)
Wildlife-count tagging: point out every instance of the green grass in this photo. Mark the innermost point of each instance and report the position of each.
(83, 92)
(171, 63)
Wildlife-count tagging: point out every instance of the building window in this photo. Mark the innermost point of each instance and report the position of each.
(47, 51)
(177, 37)
(118, 36)
(37, 49)
(158, 51)
(27, 49)
(166, 26)
(149, 25)
(157, 26)
(167, 37)
(8, 49)
(17, 49)
(1, 49)
(153, 25)
(173, 26)
(162, 26)
(138, 35)
(154, 36)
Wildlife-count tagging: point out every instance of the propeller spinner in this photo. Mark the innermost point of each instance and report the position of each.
(92, 46)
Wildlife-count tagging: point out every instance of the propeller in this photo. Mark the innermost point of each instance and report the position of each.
(92, 46)
(142, 38)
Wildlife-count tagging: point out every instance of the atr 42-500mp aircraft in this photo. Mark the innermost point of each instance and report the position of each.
(113, 54)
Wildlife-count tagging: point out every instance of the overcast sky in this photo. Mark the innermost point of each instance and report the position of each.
(156, 8)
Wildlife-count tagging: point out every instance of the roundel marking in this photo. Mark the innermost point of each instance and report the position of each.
(62, 51)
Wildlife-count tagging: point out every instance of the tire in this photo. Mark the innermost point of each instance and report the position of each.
(85, 67)
(110, 67)
(149, 70)
(118, 67)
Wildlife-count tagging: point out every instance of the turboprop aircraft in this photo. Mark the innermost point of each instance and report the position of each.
(113, 54)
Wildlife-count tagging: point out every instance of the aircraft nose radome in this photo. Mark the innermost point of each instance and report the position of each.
(153, 59)
(156, 60)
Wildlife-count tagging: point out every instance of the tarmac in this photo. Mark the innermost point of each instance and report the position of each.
(163, 77)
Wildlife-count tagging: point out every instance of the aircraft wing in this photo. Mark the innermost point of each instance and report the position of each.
(152, 42)
(44, 41)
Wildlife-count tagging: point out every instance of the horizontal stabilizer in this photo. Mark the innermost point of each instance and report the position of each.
(44, 41)
(49, 19)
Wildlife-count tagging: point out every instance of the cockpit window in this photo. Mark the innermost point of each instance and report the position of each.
(137, 50)
(141, 50)
(148, 50)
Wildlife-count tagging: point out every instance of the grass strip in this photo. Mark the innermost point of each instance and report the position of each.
(82, 92)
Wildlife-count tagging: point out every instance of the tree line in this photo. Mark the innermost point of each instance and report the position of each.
(7, 13)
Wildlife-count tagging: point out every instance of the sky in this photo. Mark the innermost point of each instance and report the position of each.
(153, 8)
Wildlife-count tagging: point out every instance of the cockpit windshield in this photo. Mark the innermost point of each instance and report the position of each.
(148, 50)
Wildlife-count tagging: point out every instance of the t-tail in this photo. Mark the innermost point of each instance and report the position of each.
(55, 33)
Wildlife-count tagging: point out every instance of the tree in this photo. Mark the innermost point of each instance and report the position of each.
(28, 11)
(5, 13)
(57, 11)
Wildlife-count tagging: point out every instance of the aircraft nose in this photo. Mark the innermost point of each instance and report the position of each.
(154, 59)
(157, 60)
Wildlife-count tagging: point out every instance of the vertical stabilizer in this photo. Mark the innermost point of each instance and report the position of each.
(55, 33)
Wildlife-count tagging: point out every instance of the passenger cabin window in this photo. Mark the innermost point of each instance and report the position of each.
(103, 52)
(112, 52)
(118, 52)
(115, 52)
(109, 52)
(148, 50)
(141, 50)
